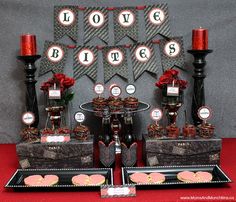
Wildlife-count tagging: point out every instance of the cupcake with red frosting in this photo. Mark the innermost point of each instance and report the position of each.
(81, 132)
(116, 105)
(189, 131)
(155, 131)
(99, 103)
(131, 103)
(172, 131)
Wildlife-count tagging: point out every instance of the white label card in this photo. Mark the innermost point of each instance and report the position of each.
(28, 118)
(109, 191)
(54, 94)
(79, 117)
(99, 88)
(172, 91)
(130, 89)
(156, 114)
(116, 91)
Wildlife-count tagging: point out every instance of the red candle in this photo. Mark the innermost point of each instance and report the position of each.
(28, 45)
(200, 39)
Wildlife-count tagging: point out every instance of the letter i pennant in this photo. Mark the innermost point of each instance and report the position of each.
(53, 59)
(85, 62)
(172, 52)
(65, 22)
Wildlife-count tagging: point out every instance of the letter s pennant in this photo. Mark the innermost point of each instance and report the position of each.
(54, 57)
(172, 52)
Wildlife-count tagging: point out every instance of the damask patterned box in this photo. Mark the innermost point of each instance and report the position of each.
(74, 154)
(166, 152)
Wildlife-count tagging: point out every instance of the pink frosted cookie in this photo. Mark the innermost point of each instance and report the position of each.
(187, 176)
(33, 180)
(139, 178)
(203, 176)
(97, 179)
(80, 180)
(156, 177)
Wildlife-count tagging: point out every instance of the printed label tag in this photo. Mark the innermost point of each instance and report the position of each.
(79, 117)
(156, 114)
(115, 91)
(28, 118)
(99, 88)
(204, 113)
(130, 89)
(54, 94)
(109, 191)
(172, 91)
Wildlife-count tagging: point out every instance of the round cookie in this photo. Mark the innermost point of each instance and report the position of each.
(156, 178)
(80, 180)
(139, 178)
(203, 176)
(186, 176)
(97, 179)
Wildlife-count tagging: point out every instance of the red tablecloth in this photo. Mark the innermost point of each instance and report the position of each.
(8, 165)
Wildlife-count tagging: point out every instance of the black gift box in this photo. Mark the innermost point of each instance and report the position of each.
(74, 154)
(166, 152)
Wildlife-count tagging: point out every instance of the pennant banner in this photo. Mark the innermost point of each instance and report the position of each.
(125, 23)
(54, 57)
(96, 24)
(157, 21)
(85, 62)
(114, 62)
(172, 52)
(65, 22)
(144, 59)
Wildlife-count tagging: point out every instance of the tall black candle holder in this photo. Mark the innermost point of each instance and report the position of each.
(31, 96)
(198, 99)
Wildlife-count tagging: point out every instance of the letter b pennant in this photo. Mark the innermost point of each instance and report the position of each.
(54, 57)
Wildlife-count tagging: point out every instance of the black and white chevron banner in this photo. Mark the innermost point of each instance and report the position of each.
(65, 22)
(172, 52)
(114, 62)
(157, 21)
(85, 62)
(144, 59)
(96, 24)
(53, 58)
(125, 23)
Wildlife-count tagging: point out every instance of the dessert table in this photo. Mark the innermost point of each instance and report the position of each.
(227, 192)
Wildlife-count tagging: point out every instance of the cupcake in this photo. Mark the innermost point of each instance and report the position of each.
(131, 103)
(172, 131)
(155, 131)
(30, 134)
(206, 130)
(189, 131)
(99, 103)
(116, 105)
(81, 132)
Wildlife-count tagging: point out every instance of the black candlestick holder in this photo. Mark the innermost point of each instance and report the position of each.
(31, 96)
(198, 99)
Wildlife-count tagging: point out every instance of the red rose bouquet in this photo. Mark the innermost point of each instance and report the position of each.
(171, 77)
(64, 83)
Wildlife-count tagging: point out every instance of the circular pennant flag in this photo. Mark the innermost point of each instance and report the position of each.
(156, 114)
(28, 118)
(99, 88)
(115, 91)
(79, 117)
(130, 89)
(204, 113)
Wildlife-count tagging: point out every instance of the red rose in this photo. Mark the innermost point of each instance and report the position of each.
(45, 86)
(59, 76)
(171, 72)
(164, 80)
(182, 84)
(68, 82)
